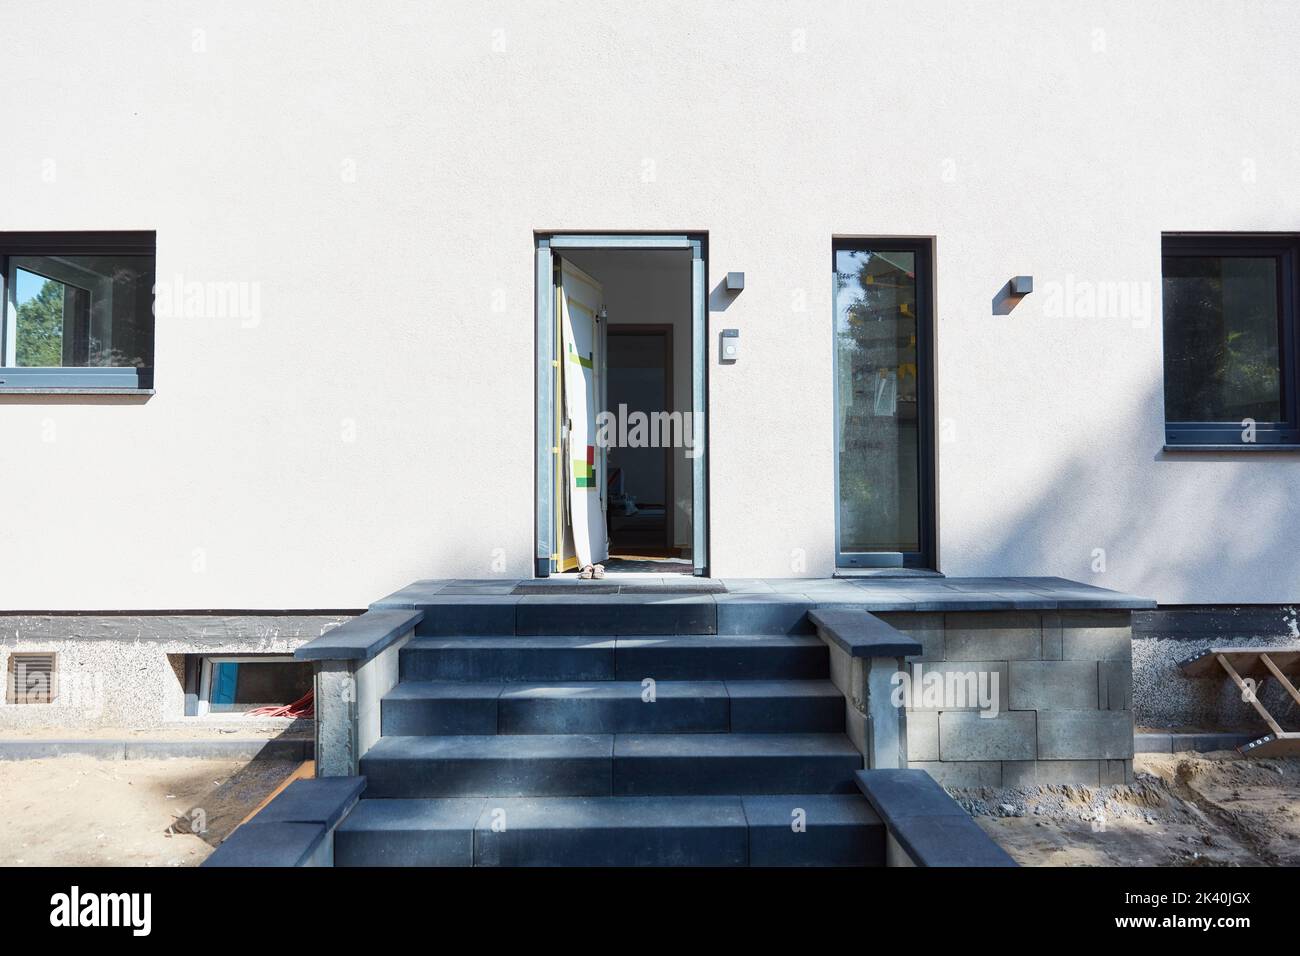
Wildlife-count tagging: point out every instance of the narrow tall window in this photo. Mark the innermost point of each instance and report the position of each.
(1230, 340)
(882, 416)
(78, 310)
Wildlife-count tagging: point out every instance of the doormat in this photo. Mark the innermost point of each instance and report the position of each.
(612, 587)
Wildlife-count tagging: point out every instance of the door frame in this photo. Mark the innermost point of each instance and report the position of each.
(927, 465)
(547, 364)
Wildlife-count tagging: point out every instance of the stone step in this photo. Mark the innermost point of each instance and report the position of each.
(526, 765)
(813, 830)
(484, 612)
(755, 657)
(419, 708)
(613, 831)
(617, 614)
(507, 659)
(575, 658)
(479, 765)
(657, 764)
(785, 706)
(722, 830)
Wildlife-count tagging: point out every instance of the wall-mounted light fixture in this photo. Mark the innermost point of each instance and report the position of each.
(1008, 297)
(735, 281)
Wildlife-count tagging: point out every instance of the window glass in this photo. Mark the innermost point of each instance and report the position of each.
(79, 311)
(1222, 339)
(877, 420)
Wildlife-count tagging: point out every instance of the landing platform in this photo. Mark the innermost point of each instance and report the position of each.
(874, 593)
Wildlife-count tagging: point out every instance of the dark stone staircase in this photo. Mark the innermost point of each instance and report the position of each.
(542, 749)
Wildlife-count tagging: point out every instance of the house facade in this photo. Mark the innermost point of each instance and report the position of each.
(1009, 291)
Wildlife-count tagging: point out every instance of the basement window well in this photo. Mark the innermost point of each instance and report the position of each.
(262, 686)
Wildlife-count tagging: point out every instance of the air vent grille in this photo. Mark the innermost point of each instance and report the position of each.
(31, 679)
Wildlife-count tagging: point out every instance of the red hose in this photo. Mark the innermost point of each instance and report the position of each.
(304, 706)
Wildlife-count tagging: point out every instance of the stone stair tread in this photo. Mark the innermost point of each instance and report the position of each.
(446, 690)
(823, 809)
(543, 642)
(658, 830)
(589, 689)
(614, 689)
(693, 641)
(630, 812)
(403, 814)
(781, 688)
(733, 745)
(492, 747)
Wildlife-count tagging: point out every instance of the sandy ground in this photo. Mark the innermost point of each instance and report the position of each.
(1216, 809)
(78, 811)
(205, 730)
(1182, 809)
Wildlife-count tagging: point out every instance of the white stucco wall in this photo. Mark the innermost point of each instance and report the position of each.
(378, 171)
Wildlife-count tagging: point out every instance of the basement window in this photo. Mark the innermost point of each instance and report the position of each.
(1230, 340)
(78, 311)
(31, 679)
(243, 685)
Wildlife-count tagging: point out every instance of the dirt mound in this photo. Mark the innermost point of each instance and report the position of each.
(1182, 809)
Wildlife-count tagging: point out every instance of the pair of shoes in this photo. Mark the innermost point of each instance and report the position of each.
(590, 571)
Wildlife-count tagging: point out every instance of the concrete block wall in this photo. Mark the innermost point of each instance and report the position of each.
(1063, 705)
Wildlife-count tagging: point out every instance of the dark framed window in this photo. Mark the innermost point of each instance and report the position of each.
(883, 329)
(78, 310)
(1230, 341)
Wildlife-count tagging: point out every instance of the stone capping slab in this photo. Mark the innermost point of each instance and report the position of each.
(269, 844)
(929, 825)
(860, 634)
(290, 829)
(323, 800)
(361, 638)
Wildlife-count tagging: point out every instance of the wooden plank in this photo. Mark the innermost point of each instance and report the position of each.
(1281, 677)
(1248, 695)
(1244, 659)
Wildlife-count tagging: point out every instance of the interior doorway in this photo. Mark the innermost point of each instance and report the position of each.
(620, 405)
(642, 512)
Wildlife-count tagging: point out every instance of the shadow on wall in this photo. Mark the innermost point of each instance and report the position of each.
(720, 298)
(1198, 528)
(1005, 301)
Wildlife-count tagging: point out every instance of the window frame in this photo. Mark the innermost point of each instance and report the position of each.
(927, 491)
(74, 379)
(1278, 435)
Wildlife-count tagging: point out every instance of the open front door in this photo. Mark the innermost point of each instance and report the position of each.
(581, 372)
(571, 391)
